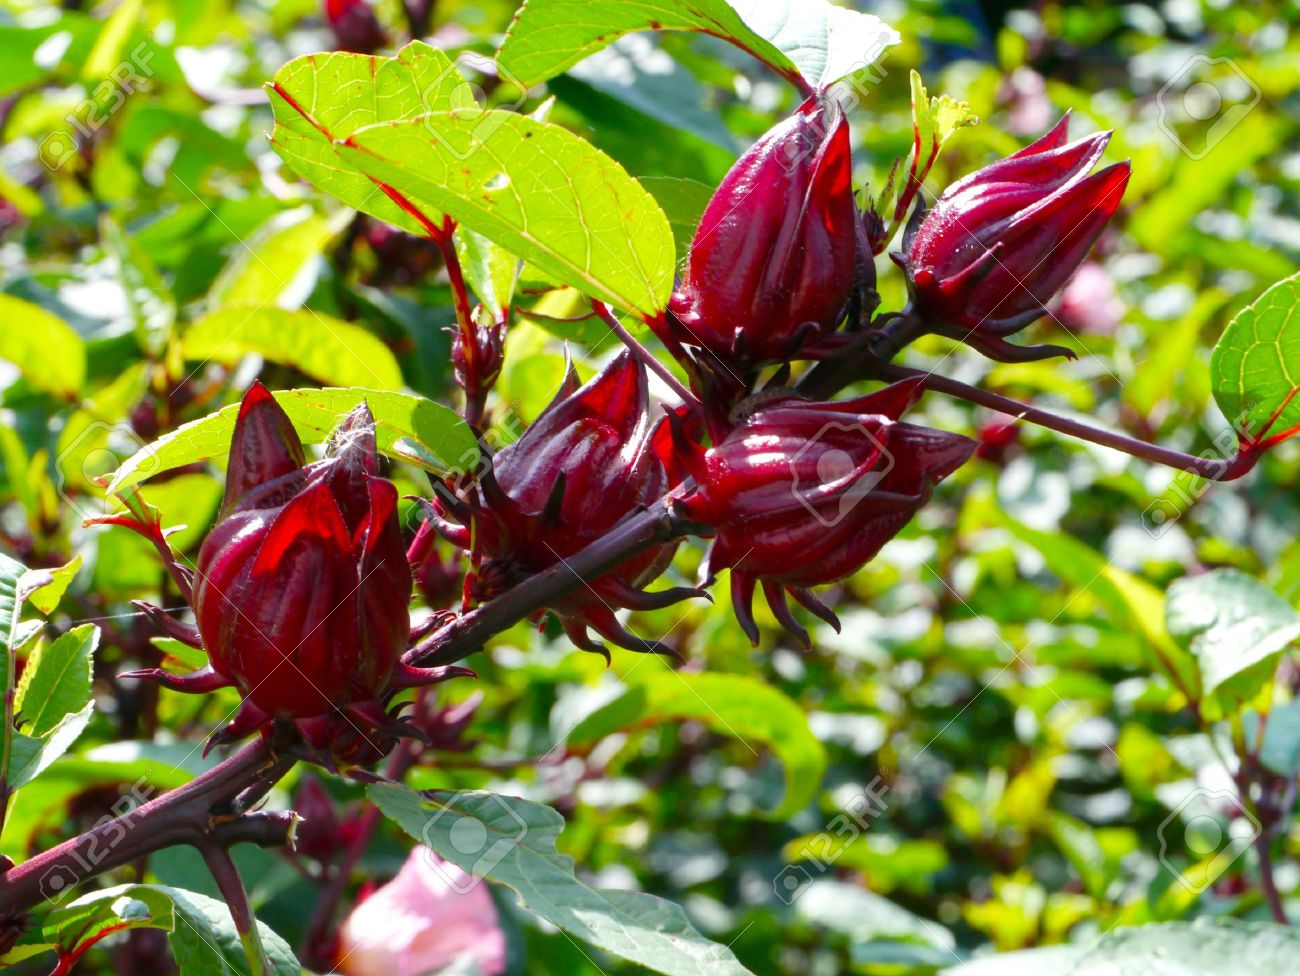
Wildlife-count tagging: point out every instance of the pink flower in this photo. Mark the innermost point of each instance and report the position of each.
(1089, 302)
(421, 922)
(1029, 110)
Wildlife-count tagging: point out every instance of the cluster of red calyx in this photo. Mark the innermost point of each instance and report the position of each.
(802, 493)
(579, 469)
(302, 589)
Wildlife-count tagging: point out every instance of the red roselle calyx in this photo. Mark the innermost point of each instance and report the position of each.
(773, 262)
(1000, 242)
(355, 26)
(578, 470)
(302, 588)
(803, 493)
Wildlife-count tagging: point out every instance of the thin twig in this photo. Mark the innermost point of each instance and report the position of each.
(648, 358)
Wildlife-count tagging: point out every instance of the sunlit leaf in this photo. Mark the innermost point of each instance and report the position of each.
(537, 190)
(811, 42)
(1256, 362)
(327, 349)
(44, 348)
(319, 99)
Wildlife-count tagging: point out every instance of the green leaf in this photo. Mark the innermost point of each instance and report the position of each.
(812, 40)
(1256, 362)
(30, 756)
(109, 47)
(491, 270)
(1204, 947)
(44, 348)
(263, 268)
(319, 99)
(46, 597)
(683, 202)
(512, 841)
(407, 427)
(535, 189)
(934, 120)
(56, 680)
(742, 707)
(203, 936)
(1231, 624)
(327, 349)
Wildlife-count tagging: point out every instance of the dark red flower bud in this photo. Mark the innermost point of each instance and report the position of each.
(355, 26)
(579, 469)
(805, 493)
(773, 262)
(476, 355)
(1000, 242)
(302, 588)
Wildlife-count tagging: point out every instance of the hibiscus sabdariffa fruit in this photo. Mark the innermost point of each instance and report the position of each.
(585, 464)
(983, 262)
(301, 589)
(802, 493)
(773, 263)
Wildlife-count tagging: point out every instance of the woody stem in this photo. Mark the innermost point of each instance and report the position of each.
(468, 633)
(200, 813)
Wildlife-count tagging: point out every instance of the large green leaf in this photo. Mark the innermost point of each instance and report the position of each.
(407, 427)
(44, 348)
(512, 841)
(56, 680)
(537, 190)
(731, 704)
(806, 41)
(319, 99)
(1256, 363)
(327, 349)
(1233, 625)
(1205, 947)
(262, 268)
(202, 934)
